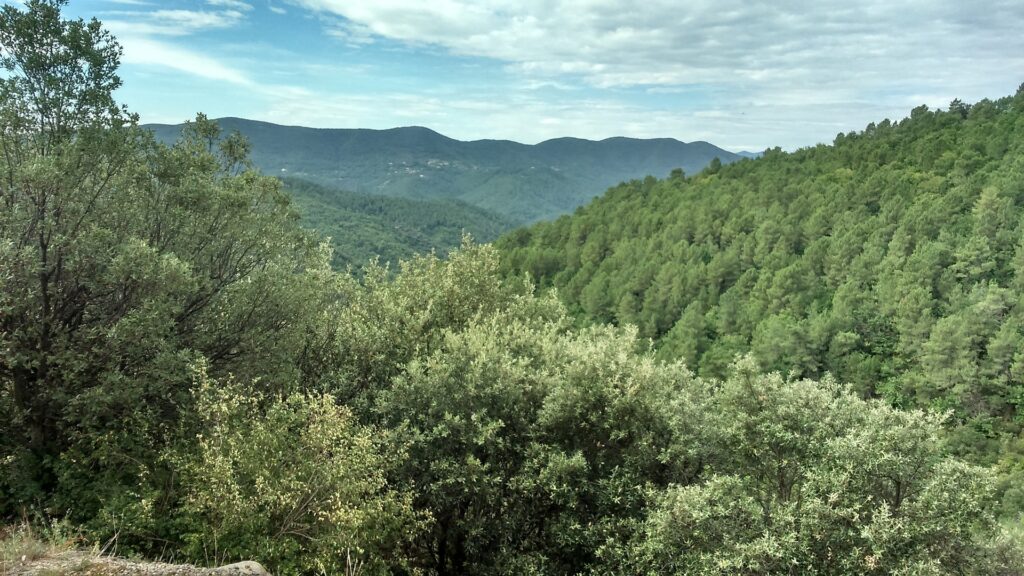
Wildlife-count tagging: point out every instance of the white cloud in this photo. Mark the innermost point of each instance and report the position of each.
(191, 20)
(766, 48)
(154, 39)
(148, 52)
(528, 116)
(174, 22)
(350, 33)
(787, 72)
(232, 4)
(144, 51)
(521, 115)
(744, 74)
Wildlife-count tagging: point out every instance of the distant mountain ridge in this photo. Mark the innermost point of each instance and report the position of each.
(520, 182)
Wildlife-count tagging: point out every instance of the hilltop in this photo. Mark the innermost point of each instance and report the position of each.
(519, 182)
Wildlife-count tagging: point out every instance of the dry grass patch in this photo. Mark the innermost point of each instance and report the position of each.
(23, 545)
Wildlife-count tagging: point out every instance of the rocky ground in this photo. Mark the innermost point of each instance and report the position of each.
(52, 550)
(84, 564)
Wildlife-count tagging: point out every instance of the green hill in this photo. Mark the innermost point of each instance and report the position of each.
(365, 226)
(892, 259)
(520, 182)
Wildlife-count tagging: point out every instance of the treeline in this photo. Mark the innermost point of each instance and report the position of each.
(892, 260)
(183, 373)
(364, 227)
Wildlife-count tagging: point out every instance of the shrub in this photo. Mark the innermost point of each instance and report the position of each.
(292, 481)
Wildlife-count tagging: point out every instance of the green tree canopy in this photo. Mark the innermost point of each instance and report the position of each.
(890, 259)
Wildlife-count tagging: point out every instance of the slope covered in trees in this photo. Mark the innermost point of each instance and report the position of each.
(522, 183)
(367, 226)
(183, 374)
(891, 259)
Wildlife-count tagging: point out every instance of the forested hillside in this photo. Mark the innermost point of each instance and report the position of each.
(892, 259)
(363, 227)
(520, 182)
(184, 376)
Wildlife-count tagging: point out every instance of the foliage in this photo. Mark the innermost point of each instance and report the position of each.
(891, 259)
(364, 227)
(807, 478)
(25, 542)
(296, 483)
(122, 262)
(528, 444)
(539, 448)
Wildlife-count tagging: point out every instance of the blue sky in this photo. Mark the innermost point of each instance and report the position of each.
(740, 74)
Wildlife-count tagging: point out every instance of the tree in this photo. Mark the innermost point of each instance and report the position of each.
(864, 259)
(807, 478)
(64, 143)
(62, 76)
(123, 262)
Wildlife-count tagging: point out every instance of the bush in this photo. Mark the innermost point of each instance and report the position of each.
(809, 478)
(292, 481)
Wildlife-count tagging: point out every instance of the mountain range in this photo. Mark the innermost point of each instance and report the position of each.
(520, 183)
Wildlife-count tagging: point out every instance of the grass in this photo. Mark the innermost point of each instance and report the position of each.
(26, 543)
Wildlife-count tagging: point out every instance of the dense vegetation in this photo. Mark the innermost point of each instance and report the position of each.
(892, 259)
(367, 226)
(521, 183)
(183, 373)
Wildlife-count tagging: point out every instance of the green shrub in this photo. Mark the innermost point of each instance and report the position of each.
(808, 478)
(293, 482)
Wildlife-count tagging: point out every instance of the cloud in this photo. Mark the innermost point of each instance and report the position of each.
(522, 115)
(744, 74)
(176, 22)
(193, 20)
(142, 51)
(786, 72)
(232, 4)
(147, 52)
(155, 38)
(824, 49)
(350, 33)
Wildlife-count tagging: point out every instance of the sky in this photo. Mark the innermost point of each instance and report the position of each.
(744, 75)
